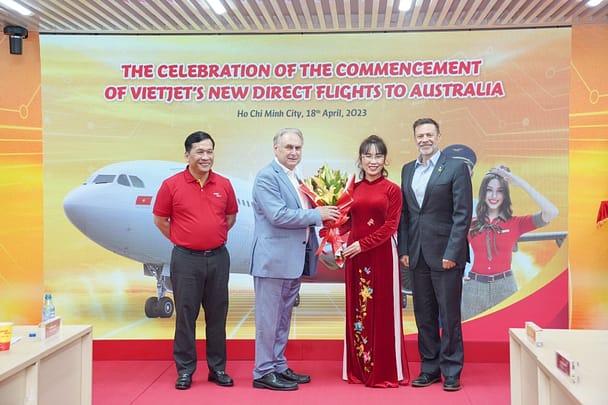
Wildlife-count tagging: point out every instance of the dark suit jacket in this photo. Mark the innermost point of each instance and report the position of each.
(439, 227)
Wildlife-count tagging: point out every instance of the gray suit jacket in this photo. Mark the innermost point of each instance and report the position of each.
(439, 227)
(279, 245)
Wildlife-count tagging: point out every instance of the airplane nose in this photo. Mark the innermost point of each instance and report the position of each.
(75, 211)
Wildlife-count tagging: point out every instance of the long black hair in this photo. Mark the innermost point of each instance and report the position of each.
(381, 149)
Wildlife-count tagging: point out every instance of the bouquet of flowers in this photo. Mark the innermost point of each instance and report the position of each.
(331, 187)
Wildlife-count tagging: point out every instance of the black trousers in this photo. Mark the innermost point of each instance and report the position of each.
(437, 295)
(200, 280)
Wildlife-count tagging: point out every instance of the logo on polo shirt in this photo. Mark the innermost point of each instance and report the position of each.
(217, 194)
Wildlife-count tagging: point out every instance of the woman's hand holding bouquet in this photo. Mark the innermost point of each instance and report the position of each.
(331, 187)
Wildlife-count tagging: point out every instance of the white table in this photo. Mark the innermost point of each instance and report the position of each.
(535, 378)
(54, 371)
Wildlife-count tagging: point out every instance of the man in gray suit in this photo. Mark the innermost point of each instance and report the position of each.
(283, 249)
(435, 220)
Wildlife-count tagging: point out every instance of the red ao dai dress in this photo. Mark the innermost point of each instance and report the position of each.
(374, 345)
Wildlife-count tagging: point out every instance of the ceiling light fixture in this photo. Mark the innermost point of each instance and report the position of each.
(593, 3)
(217, 6)
(405, 5)
(17, 35)
(16, 7)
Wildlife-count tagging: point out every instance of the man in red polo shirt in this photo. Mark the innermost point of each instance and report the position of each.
(195, 209)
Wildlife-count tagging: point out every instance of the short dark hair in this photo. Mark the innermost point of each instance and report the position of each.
(422, 121)
(196, 137)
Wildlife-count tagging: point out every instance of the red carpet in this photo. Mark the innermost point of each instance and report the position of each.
(142, 371)
(148, 382)
(297, 349)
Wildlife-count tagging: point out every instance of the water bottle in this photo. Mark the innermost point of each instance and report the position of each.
(48, 308)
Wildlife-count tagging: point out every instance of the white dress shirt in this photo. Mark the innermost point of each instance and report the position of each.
(422, 174)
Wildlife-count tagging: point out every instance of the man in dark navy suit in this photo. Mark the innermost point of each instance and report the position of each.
(435, 219)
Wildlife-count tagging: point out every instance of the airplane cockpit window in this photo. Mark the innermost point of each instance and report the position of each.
(104, 178)
(123, 180)
(137, 182)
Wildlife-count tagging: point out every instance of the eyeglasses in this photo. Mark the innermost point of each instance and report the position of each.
(368, 156)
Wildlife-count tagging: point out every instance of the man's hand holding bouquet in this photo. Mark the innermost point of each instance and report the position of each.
(331, 188)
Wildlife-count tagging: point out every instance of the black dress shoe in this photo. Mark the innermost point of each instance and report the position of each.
(220, 378)
(289, 375)
(273, 381)
(424, 380)
(183, 382)
(451, 384)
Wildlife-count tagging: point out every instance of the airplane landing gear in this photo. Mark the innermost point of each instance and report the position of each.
(165, 306)
(150, 307)
(160, 306)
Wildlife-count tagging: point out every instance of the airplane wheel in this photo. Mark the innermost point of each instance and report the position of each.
(151, 307)
(165, 307)
(403, 301)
